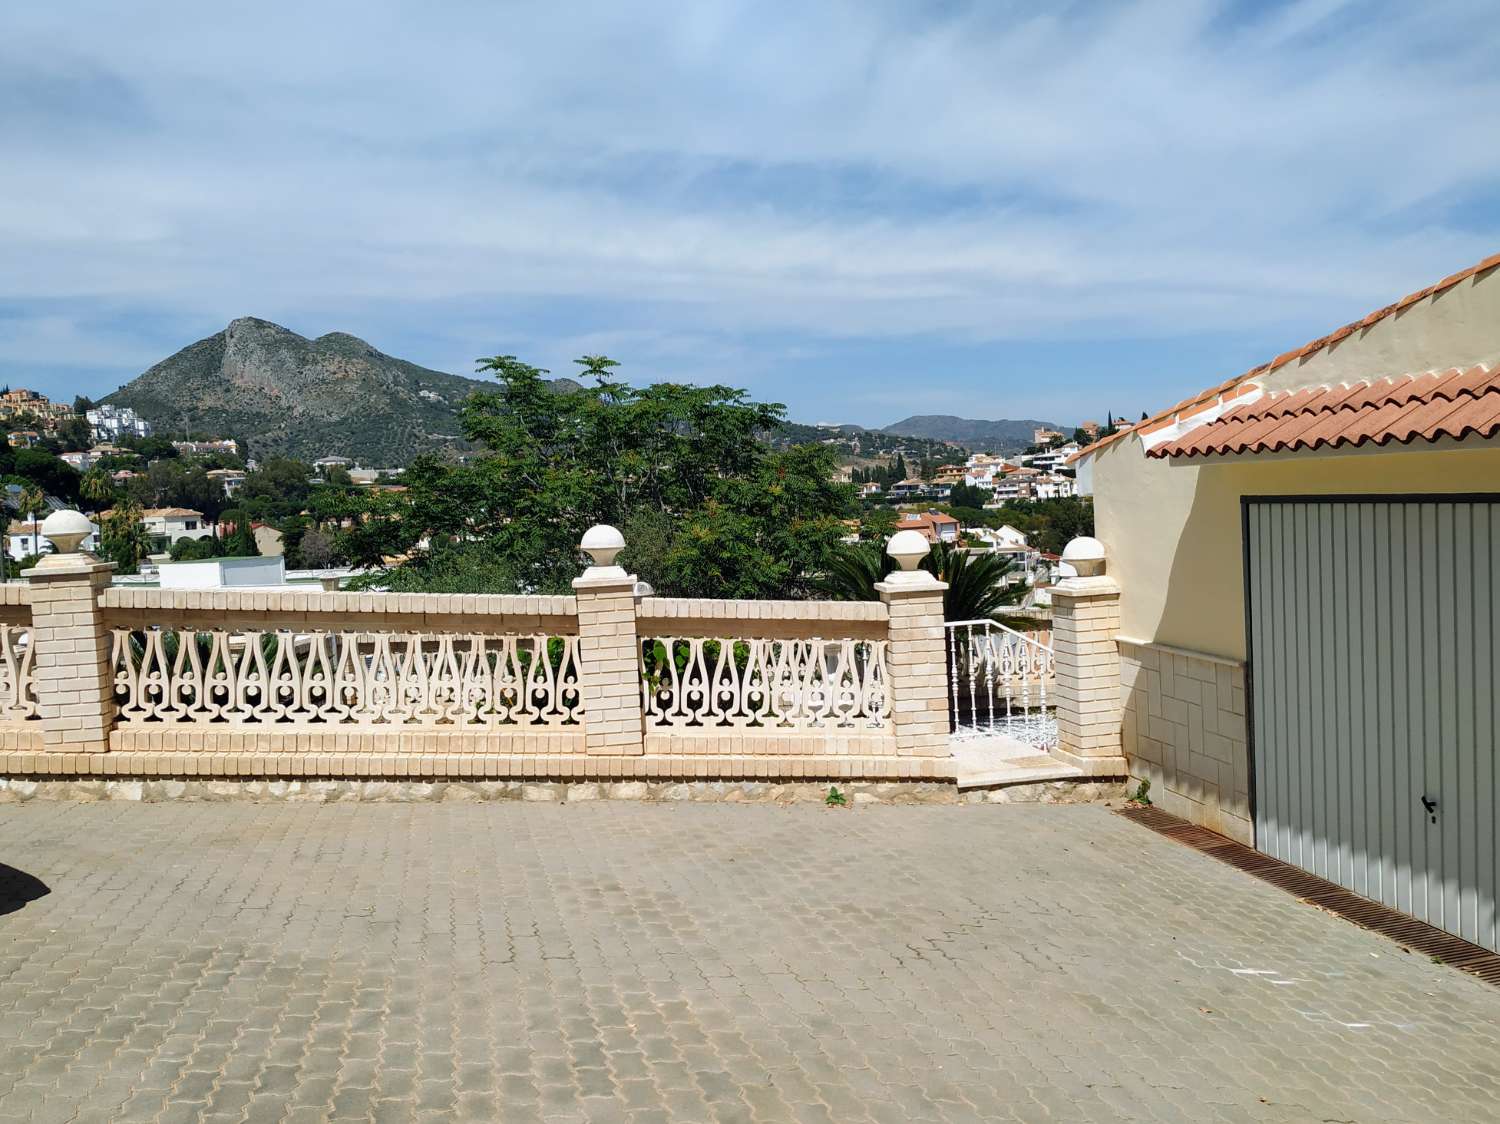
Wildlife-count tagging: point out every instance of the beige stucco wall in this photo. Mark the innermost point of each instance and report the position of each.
(1455, 328)
(1172, 530)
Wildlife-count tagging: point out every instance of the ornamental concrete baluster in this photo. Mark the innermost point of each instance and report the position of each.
(915, 663)
(73, 684)
(1085, 622)
(609, 649)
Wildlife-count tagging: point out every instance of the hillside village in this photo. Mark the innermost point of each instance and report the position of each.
(154, 501)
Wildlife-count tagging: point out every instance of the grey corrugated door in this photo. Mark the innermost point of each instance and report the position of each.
(1374, 627)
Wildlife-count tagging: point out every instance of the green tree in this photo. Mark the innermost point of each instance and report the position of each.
(75, 434)
(97, 488)
(191, 550)
(730, 515)
(240, 542)
(33, 500)
(124, 539)
(967, 495)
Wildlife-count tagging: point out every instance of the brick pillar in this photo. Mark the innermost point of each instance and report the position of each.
(916, 660)
(1085, 622)
(609, 652)
(70, 672)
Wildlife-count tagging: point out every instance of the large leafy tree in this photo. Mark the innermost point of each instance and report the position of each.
(707, 506)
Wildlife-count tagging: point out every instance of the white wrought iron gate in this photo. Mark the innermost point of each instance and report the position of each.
(1373, 633)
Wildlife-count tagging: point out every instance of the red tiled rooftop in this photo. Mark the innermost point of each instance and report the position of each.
(1240, 384)
(1453, 403)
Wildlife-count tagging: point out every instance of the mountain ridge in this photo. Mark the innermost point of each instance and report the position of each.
(288, 395)
(1002, 435)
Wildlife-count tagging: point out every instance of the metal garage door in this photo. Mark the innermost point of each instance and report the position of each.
(1373, 629)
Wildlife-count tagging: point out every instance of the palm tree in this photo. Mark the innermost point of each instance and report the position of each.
(32, 500)
(97, 488)
(976, 586)
(125, 542)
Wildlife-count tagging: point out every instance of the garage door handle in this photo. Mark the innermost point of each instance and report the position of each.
(1431, 806)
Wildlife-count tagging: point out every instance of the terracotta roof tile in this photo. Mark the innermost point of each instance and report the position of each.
(1453, 403)
(1241, 383)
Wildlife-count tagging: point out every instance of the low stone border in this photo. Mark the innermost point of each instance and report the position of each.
(20, 789)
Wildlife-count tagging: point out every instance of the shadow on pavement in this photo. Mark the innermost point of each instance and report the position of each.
(17, 889)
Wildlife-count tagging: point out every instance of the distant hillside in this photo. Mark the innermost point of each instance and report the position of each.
(857, 442)
(1000, 436)
(287, 395)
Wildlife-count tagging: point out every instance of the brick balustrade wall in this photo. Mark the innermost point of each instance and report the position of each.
(74, 613)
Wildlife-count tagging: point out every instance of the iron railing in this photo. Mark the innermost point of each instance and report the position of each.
(999, 681)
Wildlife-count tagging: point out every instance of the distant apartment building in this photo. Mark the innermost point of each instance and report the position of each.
(933, 526)
(227, 446)
(114, 422)
(1041, 435)
(81, 461)
(910, 489)
(21, 402)
(1053, 459)
(1090, 429)
(23, 438)
(1032, 484)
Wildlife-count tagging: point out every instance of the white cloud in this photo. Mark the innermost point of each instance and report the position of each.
(849, 170)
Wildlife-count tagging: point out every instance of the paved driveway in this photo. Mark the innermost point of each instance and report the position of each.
(695, 962)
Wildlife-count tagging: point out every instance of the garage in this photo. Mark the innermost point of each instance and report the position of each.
(1372, 627)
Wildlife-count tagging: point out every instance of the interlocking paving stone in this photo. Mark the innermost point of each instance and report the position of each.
(260, 963)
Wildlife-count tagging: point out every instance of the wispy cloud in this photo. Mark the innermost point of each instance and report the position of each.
(735, 187)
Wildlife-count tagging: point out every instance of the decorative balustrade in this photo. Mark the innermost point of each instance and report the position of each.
(337, 677)
(346, 683)
(765, 684)
(17, 686)
(1000, 681)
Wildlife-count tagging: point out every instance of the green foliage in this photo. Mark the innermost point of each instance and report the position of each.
(178, 483)
(149, 448)
(240, 541)
(97, 489)
(123, 539)
(276, 489)
(192, 550)
(1142, 794)
(835, 798)
(709, 509)
(75, 434)
(976, 582)
(969, 496)
(54, 476)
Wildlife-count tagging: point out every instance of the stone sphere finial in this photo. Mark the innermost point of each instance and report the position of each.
(603, 544)
(908, 548)
(1086, 556)
(66, 529)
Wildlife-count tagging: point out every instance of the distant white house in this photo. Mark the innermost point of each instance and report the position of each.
(81, 461)
(230, 479)
(175, 523)
(22, 541)
(113, 422)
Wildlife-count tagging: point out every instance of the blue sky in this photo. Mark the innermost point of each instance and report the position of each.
(865, 209)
